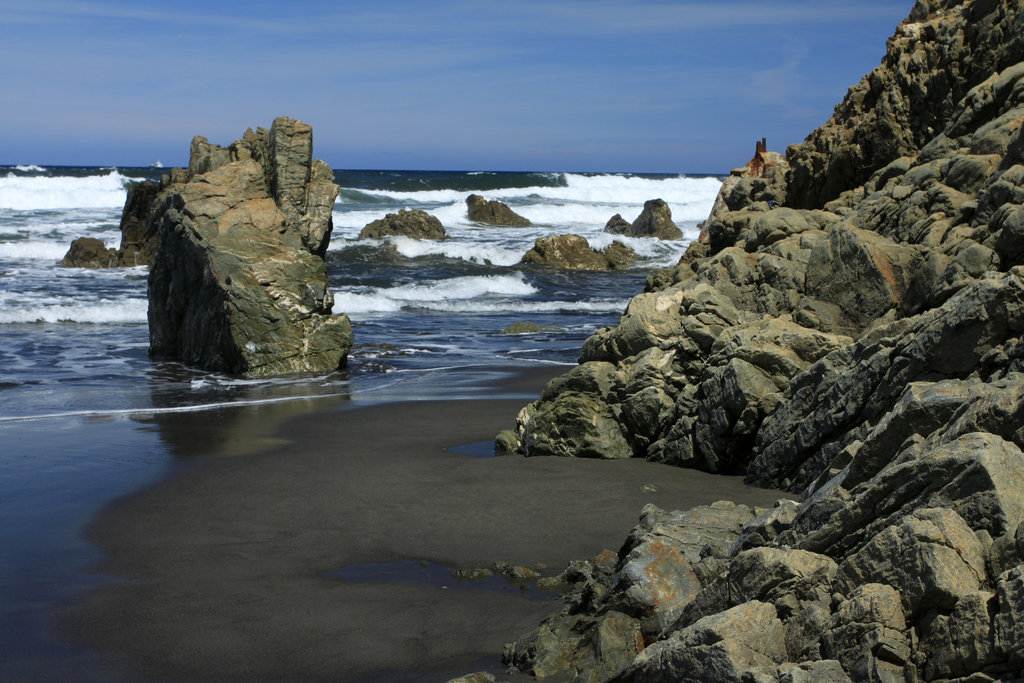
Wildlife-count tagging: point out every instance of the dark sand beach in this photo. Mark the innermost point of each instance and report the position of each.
(253, 566)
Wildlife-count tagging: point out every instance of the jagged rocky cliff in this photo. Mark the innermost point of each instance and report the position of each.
(238, 281)
(859, 344)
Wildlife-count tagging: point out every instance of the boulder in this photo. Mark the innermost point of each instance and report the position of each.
(961, 642)
(766, 526)
(573, 252)
(759, 185)
(778, 575)
(619, 256)
(575, 424)
(568, 647)
(861, 272)
(868, 635)
(932, 558)
(979, 476)
(139, 237)
(720, 647)
(654, 221)
(821, 671)
(835, 401)
(493, 212)
(89, 252)
(416, 224)
(239, 283)
(658, 574)
(743, 382)
(617, 225)
(1009, 620)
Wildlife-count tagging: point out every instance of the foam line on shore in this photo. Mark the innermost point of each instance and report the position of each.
(201, 407)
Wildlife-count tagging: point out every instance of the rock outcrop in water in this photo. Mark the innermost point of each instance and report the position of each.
(654, 221)
(238, 283)
(138, 233)
(493, 212)
(859, 345)
(573, 252)
(417, 224)
(89, 252)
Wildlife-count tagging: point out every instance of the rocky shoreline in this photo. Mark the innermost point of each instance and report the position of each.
(848, 329)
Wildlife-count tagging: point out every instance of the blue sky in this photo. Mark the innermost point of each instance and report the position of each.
(574, 85)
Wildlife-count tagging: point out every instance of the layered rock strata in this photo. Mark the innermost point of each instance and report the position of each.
(937, 56)
(238, 283)
(850, 329)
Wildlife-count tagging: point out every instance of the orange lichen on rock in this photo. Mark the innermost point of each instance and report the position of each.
(756, 166)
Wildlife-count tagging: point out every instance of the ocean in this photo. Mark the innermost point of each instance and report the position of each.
(83, 409)
(75, 341)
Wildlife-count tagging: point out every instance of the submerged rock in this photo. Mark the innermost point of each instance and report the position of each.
(239, 283)
(529, 328)
(493, 212)
(416, 223)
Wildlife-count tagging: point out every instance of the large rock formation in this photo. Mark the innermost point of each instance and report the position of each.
(493, 212)
(850, 329)
(239, 283)
(942, 51)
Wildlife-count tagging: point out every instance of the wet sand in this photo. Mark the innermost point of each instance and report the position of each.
(231, 564)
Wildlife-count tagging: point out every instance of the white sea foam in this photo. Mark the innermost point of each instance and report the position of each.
(609, 188)
(192, 408)
(584, 201)
(35, 251)
(475, 252)
(30, 168)
(679, 190)
(26, 193)
(588, 188)
(70, 310)
(433, 294)
(513, 306)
